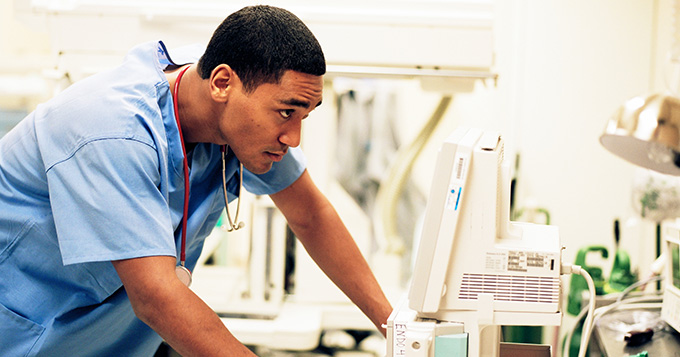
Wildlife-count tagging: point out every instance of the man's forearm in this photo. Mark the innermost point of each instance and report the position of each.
(336, 253)
(318, 226)
(192, 328)
(184, 321)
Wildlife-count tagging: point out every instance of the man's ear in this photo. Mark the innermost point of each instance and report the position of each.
(222, 81)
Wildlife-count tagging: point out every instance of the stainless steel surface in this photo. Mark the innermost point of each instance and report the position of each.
(665, 342)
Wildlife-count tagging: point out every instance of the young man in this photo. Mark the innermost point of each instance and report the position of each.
(92, 192)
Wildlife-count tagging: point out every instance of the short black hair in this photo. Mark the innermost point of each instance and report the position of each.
(260, 43)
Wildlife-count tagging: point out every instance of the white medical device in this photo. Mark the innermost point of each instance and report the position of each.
(475, 269)
(670, 308)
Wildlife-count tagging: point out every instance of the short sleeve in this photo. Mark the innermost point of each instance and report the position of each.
(281, 175)
(107, 204)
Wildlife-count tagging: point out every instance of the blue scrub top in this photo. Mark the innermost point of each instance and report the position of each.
(94, 175)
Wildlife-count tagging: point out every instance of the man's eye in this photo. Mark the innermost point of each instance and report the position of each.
(286, 113)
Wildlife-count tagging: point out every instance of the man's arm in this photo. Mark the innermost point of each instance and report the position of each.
(319, 228)
(161, 301)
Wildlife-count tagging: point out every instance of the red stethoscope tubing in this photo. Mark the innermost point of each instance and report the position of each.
(182, 257)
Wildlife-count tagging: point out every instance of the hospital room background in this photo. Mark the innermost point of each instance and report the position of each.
(402, 75)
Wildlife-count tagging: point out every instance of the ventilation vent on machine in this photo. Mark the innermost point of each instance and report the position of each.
(531, 289)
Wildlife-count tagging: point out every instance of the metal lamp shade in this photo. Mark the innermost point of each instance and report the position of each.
(646, 132)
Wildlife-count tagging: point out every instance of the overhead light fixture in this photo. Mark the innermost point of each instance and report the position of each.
(646, 132)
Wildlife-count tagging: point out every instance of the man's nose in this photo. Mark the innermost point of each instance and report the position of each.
(291, 135)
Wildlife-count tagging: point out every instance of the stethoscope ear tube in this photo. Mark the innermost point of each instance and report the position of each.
(233, 224)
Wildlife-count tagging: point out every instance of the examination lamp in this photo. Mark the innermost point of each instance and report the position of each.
(646, 132)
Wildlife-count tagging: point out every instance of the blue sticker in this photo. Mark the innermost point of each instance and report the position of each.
(458, 198)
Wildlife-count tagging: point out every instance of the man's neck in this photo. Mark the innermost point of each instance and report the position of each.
(185, 96)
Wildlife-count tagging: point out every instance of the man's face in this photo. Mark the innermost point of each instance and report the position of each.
(263, 124)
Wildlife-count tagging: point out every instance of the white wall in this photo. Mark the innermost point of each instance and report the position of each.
(22, 50)
(575, 62)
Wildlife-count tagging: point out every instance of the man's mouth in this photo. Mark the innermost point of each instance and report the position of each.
(275, 156)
